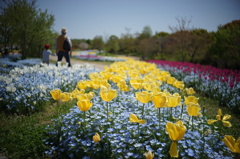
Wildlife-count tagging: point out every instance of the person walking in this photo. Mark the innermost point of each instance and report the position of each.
(61, 52)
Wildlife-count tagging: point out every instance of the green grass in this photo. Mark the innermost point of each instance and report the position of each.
(21, 136)
(211, 109)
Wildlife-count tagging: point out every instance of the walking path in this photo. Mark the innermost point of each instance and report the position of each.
(98, 65)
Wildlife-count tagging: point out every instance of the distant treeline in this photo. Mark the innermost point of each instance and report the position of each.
(220, 48)
(28, 28)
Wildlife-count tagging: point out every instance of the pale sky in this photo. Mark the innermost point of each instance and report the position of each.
(85, 19)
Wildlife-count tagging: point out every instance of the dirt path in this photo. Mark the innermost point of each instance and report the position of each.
(99, 65)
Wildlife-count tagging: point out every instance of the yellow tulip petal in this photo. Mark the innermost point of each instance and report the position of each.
(174, 150)
(133, 118)
(211, 121)
(229, 141)
(141, 121)
(237, 147)
(96, 137)
(220, 112)
(227, 124)
(149, 155)
(226, 117)
(218, 117)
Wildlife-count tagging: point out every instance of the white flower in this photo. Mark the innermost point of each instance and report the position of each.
(8, 80)
(20, 85)
(11, 88)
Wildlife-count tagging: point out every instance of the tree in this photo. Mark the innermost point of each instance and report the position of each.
(97, 43)
(199, 43)
(161, 38)
(181, 31)
(112, 45)
(30, 28)
(146, 32)
(5, 31)
(195, 46)
(148, 47)
(225, 50)
(127, 43)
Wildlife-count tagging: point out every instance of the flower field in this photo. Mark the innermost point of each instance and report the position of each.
(24, 89)
(131, 109)
(92, 55)
(97, 58)
(220, 84)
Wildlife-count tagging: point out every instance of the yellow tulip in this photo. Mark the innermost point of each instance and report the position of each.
(107, 94)
(123, 86)
(96, 137)
(173, 100)
(116, 78)
(84, 105)
(176, 132)
(190, 99)
(134, 74)
(171, 80)
(148, 86)
(178, 98)
(193, 109)
(76, 92)
(90, 95)
(149, 155)
(220, 118)
(106, 75)
(233, 145)
(190, 91)
(136, 83)
(159, 100)
(56, 94)
(134, 119)
(95, 84)
(178, 84)
(66, 96)
(82, 97)
(143, 97)
(82, 84)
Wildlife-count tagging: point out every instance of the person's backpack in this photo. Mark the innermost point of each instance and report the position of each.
(66, 45)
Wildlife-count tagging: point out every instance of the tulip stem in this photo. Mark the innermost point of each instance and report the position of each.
(192, 123)
(203, 121)
(171, 117)
(189, 121)
(143, 109)
(138, 130)
(84, 123)
(181, 112)
(159, 117)
(107, 111)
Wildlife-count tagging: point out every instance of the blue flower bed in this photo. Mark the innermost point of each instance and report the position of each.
(25, 89)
